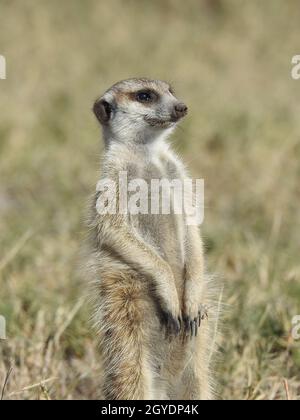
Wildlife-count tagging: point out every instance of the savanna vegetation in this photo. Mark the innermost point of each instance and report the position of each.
(230, 60)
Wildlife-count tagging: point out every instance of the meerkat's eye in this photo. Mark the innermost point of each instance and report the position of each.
(145, 96)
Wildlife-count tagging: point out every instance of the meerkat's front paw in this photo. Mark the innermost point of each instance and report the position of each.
(170, 314)
(193, 318)
(171, 324)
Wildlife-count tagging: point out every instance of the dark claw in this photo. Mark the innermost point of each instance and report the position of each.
(196, 326)
(199, 319)
(179, 325)
(191, 326)
(176, 326)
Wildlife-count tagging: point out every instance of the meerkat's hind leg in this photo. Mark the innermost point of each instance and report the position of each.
(196, 381)
(121, 319)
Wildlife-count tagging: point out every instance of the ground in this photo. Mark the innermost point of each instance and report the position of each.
(231, 63)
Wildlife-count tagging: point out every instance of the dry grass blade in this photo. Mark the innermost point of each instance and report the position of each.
(68, 321)
(15, 250)
(286, 388)
(30, 387)
(6, 382)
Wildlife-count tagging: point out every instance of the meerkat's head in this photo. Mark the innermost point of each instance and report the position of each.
(138, 110)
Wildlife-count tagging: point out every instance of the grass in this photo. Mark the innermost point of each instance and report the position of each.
(230, 62)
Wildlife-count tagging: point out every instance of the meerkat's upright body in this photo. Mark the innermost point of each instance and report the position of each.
(148, 269)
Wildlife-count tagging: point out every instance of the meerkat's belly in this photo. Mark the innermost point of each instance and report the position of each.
(165, 232)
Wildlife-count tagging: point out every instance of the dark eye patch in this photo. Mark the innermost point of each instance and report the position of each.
(146, 96)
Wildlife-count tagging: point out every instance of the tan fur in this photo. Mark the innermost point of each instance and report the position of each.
(146, 266)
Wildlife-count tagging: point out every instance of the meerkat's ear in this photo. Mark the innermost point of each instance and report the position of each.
(103, 110)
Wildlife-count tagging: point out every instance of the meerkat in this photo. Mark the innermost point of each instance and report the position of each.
(148, 270)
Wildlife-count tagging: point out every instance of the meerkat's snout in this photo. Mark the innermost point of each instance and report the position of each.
(179, 111)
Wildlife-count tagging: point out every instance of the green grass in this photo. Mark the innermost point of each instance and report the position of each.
(231, 64)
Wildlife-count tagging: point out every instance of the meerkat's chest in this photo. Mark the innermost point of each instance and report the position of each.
(162, 225)
(159, 165)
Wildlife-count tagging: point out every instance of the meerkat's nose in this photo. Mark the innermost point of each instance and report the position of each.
(180, 110)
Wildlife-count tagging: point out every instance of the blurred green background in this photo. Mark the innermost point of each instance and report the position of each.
(230, 61)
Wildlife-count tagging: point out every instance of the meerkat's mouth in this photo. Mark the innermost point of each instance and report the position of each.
(158, 122)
